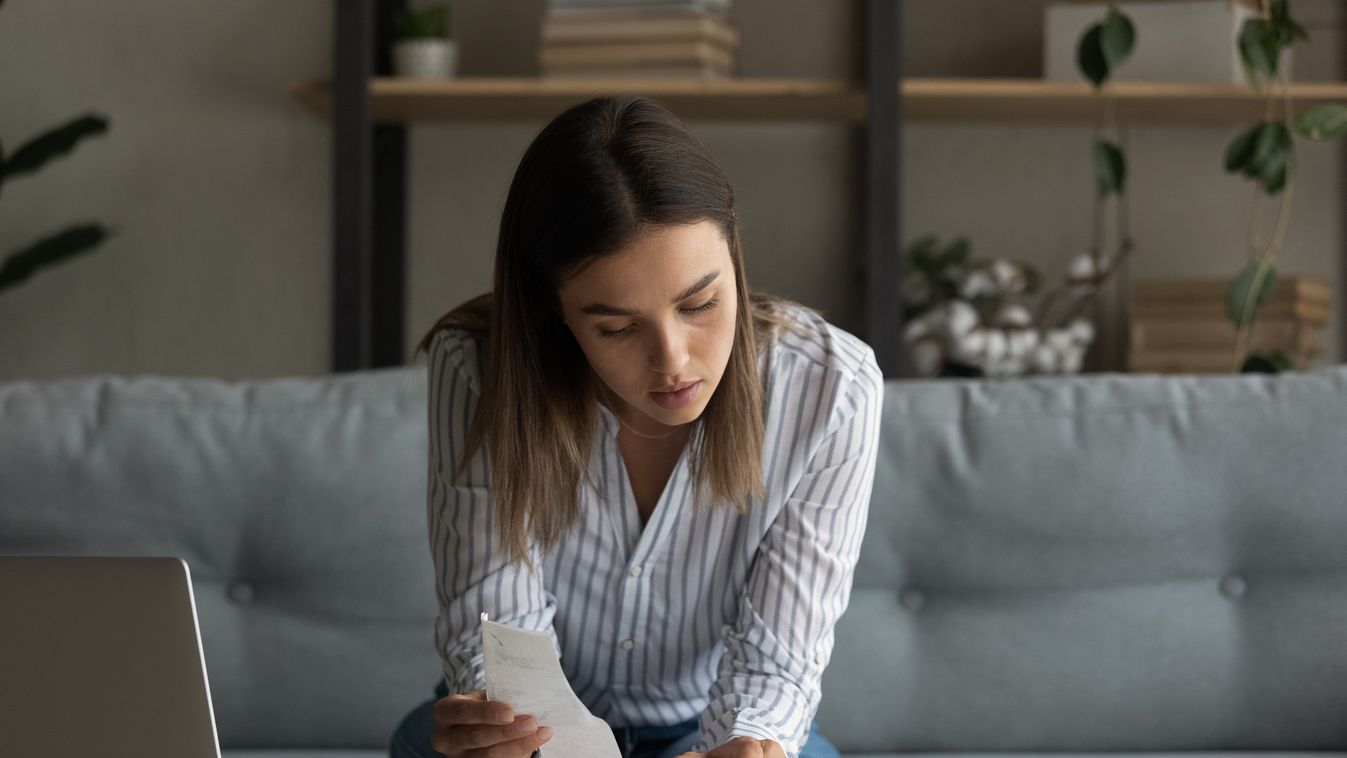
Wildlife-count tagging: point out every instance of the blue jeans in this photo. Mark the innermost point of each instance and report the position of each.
(412, 737)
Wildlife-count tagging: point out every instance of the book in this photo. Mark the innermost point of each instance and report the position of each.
(1289, 336)
(1167, 290)
(640, 72)
(1196, 361)
(641, 30)
(1314, 313)
(719, 5)
(595, 56)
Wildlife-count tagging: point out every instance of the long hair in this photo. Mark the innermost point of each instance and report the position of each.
(598, 176)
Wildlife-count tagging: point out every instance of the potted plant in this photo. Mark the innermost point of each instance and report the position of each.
(424, 49)
(986, 318)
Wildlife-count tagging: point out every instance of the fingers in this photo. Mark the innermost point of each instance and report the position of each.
(489, 741)
(472, 708)
(473, 736)
(519, 748)
(747, 747)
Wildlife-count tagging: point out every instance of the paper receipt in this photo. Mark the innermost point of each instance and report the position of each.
(522, 669)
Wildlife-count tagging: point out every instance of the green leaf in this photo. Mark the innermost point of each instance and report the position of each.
(1279, 11)
(1237, 293)
(921, 253)
(53, 144)
(1116, 38)
(957, 253)
(430, 21)
(1267, 363)
(50, 251)
(1110, 167)
(1259, 47)
(1090, 56)
(1324, 121)
(1241, 149)
(1272, 153)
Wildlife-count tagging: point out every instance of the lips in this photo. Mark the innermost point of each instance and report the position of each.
(676, 387)
(681, 397)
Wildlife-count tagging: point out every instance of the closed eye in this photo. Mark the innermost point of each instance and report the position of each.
(704, 307)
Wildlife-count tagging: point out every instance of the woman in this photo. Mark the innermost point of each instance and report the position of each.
(632, 452)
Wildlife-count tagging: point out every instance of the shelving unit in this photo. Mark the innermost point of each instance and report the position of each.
(370, 111)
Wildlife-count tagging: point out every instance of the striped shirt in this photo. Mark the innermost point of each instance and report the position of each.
(704, 612)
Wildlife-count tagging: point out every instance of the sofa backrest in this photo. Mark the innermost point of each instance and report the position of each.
(1087, 563)
(1101, 563)
(299, 505)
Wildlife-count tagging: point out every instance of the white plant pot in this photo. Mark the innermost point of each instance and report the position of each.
(424, 58)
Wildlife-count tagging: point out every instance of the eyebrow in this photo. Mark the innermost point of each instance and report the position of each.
(599, 309)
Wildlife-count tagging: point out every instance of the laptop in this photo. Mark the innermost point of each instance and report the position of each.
(101, 656)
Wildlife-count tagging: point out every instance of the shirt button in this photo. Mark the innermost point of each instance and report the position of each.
(628, 644)
(818, 658)
(636, 570)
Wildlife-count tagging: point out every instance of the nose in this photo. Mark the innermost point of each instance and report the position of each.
(668, 350)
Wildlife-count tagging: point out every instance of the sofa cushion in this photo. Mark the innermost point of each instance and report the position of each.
(298, 504)
(1101, 563)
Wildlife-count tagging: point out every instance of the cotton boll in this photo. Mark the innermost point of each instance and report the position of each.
(1082, 331)
(971, 347)
(996, 345)
(1083, 269)
(1014, 316)
(918, 329)
(1007, 276)
(1060, 339)
(1045, 359)
(1072, 359)
(960, 318)
(1022, 343)
(976, 282)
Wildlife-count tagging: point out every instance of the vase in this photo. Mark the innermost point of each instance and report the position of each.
(425, 58)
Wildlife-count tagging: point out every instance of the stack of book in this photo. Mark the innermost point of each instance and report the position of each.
(657, 39)
(1182, 327)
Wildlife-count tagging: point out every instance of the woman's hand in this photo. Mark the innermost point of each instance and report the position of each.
(743, 747)
(470, 725)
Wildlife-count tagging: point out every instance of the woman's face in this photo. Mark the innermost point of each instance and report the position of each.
(655, 316)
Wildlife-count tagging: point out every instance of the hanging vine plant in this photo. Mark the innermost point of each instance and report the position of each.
(1103, 47)
(1265, 154)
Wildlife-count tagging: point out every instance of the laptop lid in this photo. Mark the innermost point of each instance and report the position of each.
(101, 656)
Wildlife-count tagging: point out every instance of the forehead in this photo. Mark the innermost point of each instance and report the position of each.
(655, 266)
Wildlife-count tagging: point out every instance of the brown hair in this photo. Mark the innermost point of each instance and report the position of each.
(598, 176)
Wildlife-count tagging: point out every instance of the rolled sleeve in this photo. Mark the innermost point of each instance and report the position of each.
(472, 573)
(768, 680)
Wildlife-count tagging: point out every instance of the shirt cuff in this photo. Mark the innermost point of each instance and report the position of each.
(468, 679)
(741, 722)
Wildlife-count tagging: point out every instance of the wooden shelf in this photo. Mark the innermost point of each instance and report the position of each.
(1031, 100)
(535, 98)
(989, 100)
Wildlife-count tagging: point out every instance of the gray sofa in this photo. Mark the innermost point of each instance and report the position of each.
(1094, 564)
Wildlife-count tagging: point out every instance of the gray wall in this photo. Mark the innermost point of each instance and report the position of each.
(220, 183)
